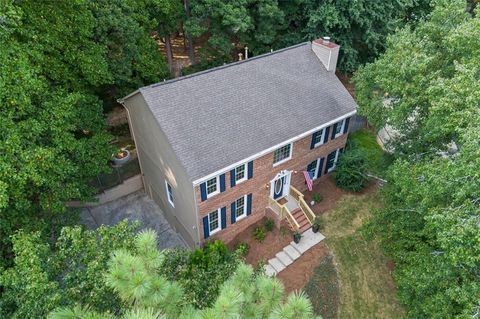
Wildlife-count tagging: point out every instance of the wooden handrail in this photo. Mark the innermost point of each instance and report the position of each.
(290, 218)
(299, 197)
(283, 212)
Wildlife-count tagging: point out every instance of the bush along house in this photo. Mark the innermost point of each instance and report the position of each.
(221, 149)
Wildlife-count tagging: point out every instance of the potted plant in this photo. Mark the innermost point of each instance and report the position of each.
(121, 157)
(317, 224)
(297, 236)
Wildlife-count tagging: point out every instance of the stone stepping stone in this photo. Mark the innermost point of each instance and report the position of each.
(292, 252)
(269, 271)
(284, 258)
(309, 239)
(276, 264)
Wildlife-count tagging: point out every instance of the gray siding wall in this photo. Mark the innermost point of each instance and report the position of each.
(159, 163)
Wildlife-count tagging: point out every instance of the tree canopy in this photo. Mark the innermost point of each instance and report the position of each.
(146, 293)
(425, 87)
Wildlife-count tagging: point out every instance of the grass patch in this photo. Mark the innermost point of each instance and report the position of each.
(366, 285)
(322, 289)
(377, 159)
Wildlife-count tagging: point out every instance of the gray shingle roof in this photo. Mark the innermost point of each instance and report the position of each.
(218, 117)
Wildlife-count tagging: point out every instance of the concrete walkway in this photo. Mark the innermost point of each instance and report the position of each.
(136, 206)
(292, 252)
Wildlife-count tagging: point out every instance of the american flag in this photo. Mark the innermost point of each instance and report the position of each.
(308, 180)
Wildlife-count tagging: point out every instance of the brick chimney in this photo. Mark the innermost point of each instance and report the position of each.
(327, 52)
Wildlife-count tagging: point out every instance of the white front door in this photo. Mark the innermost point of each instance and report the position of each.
(280, 185)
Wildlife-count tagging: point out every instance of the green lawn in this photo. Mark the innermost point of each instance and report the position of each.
(377, 160)
(366, 286)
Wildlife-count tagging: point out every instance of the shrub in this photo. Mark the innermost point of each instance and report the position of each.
(269, 224)
(259, 233)
(283, 231)
(242, 249)
(317, 198)
(350, 171)
(202, 272)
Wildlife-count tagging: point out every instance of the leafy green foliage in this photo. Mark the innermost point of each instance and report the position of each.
(424, 87)
(146, 293)
(201, 272)
(60, 65)
(317, 197)
(350, 172)
(259, 233)
(269, 224)
(44, 278)
(242, 249)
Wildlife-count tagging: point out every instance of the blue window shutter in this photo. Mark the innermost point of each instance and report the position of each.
(206, 232)
(232, 178)
(203, 191)
(250, 169)
(325, 137)
(333, 131)
(312, 144)
(249, 204)
(345, 129)
(319, 173)
(224, 217)
(222, 183)
(232, 213)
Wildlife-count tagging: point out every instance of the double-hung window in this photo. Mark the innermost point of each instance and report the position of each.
(282, 154)
(240, 208)
(240, 173)
(339, 128)
(214, 221)
(318, 138)
(212, 186)
(332, 160)
(169, 193)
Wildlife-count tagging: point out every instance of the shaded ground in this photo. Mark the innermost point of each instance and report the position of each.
(136, 206)
(263, 251)
(323, 289)
(367, 289)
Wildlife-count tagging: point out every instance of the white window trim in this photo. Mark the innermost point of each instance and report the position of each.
(285, 159)
(321, 139)
(168, 193)
(244, 209)
(217, 191)
(341, 129)
(317, 169)
(334, 161)
(245, 177)
(211, 232)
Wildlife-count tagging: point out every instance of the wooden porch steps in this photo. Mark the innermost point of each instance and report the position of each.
(301, 219)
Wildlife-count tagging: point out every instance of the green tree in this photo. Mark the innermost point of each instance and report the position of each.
(425, 87)
(71, 271)
(147, 294)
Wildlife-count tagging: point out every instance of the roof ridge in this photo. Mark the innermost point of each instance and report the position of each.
(220, 67)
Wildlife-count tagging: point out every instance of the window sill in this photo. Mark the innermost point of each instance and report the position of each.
(282, 161)
(213, 232)
(212, 194)
(239, 218)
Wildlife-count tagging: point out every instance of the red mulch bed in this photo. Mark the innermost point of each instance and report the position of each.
(298, 274)
(263, 251)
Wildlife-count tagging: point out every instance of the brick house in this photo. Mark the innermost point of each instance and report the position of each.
(222, 148)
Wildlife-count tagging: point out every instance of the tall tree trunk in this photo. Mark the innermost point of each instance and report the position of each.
(191, 53)
(168, 45)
